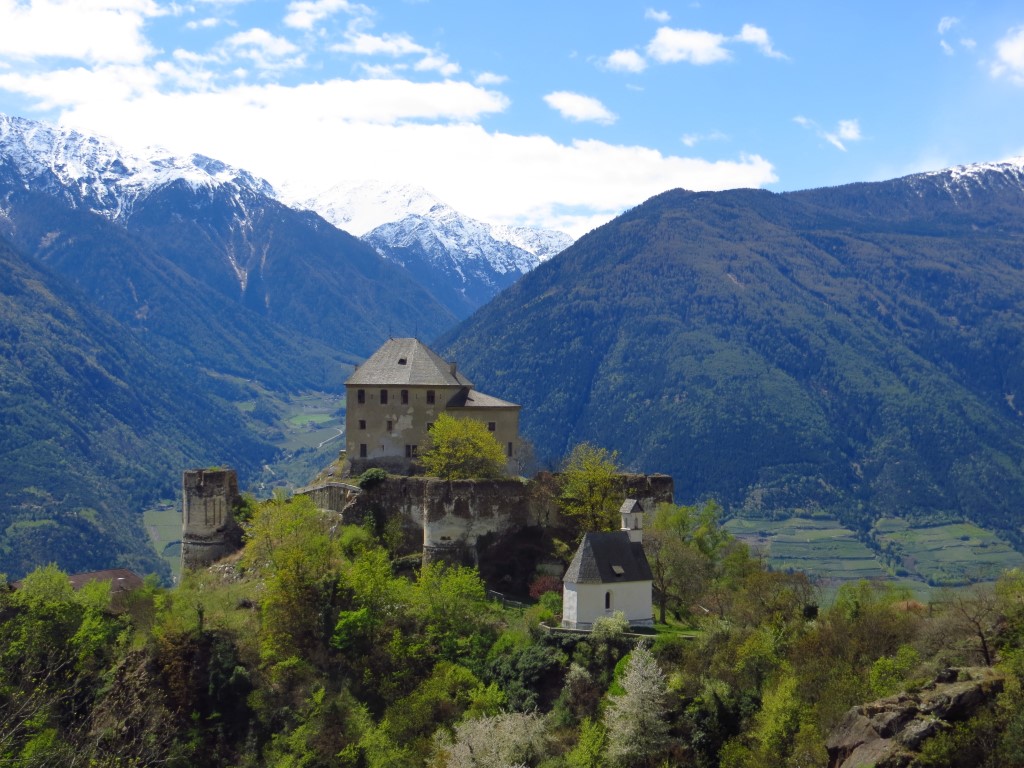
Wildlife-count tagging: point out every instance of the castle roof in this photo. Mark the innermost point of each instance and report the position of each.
(406, 362)
(608, 558)
(470, 398)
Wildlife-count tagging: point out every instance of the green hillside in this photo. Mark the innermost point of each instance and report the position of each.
(782, 352)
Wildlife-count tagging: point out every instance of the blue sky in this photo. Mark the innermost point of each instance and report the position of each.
(557, 114)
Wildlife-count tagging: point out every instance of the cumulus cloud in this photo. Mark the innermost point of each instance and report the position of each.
(946, 23)
(305, 14)
(580, 108)
(365, 44)
(265, 50)
(693, 45)
(758, 36)
(98, 32)
(662, 17)
(699, 46)
(626, 60)
(489, 78)
(846, 131)
(1009, 61)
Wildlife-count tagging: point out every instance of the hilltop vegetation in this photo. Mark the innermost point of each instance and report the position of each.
(311, 650)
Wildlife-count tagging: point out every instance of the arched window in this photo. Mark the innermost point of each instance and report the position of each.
(607, 601)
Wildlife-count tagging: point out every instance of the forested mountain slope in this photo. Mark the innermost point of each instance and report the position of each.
(856, 348)
(94, 426)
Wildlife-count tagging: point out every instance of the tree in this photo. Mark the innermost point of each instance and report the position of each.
(680, 545)
(635, 721)
(589, 491)
(461, 449)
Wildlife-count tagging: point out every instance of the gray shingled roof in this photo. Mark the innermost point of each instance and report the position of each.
(629, 506)
(606, 558)
(470, 398)
(422, 367)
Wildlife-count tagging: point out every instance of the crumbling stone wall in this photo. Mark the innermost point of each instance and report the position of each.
(452, 520)
(209, 530)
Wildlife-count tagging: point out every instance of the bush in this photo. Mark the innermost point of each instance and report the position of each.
(372, 477)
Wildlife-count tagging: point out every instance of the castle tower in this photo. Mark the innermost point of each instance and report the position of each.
(208, 527)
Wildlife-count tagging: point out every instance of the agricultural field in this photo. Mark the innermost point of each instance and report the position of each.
(163, 524)
(944, 555)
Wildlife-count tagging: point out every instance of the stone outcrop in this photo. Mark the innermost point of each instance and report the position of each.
(889, 732)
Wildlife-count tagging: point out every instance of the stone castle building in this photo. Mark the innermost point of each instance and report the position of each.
(393, 399)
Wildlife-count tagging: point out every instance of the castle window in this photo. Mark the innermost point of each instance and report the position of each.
(490, 426)
(430, 397)
(362, 450)
(401, 361)
(361, 396)
(362, 423)
(390, 424)
(383, 397)
(405, 397)
(510, 449)
(410, 451)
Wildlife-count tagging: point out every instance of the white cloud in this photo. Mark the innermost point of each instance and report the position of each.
(437, 62)
(304, 14)
(490, 78)
(662, 17)
(946, 47)
(846, 131)
(1010, 56)
(101, 31)
(580, 108)
(946, 23)
(968, 43)
(759, 37)
(626, 60)
(693, 45)
(693, 139)
(207, 23)
(265, 50)
(365, 44)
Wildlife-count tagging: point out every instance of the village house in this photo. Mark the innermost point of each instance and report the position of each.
(610, 574)
(394, 398)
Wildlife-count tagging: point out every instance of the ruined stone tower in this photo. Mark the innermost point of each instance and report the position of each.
(208, 527)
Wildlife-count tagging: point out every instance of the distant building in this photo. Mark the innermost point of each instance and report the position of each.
(609, 573)
(394, 398)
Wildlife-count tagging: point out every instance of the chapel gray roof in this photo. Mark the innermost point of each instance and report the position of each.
(629, 506)
(607, 558)
(406, 361)
(470, 398)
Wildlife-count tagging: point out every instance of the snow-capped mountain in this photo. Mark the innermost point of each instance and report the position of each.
(463, 261)
(95, 173)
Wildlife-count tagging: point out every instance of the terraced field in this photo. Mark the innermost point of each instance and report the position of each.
(951, 554)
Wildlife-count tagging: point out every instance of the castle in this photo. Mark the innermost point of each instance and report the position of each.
(393, 399)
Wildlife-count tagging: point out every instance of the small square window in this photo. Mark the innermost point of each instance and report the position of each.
(405, 397)
(362, 423)
(401, 361)
(361, 396)
(490, 426)
(430, 397)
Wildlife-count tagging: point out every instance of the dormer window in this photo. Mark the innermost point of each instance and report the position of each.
(401, 361)
(618, 570)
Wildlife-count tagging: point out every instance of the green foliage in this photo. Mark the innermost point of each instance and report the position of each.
(588, 490)
(889, 673)
(372, 477)
(462, 449)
